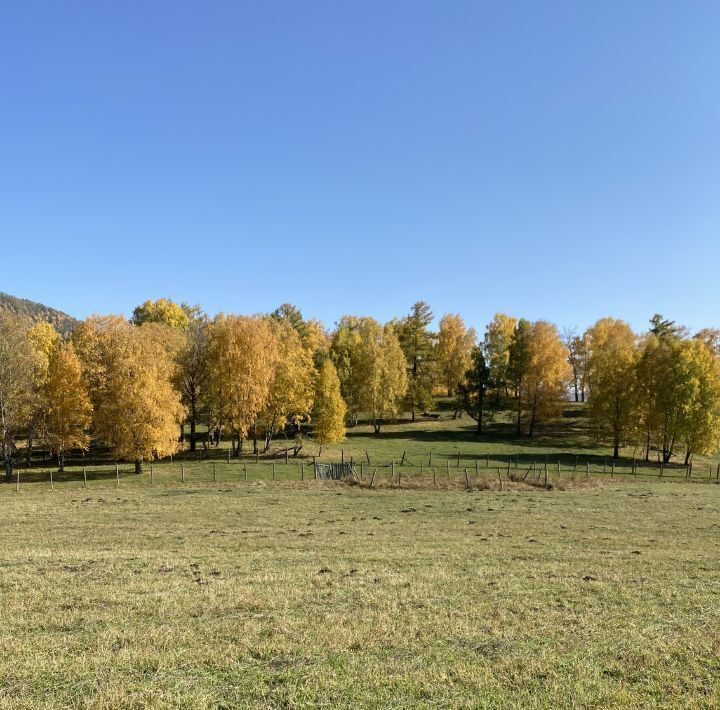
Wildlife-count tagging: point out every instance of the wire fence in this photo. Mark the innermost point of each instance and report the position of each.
(456, 467)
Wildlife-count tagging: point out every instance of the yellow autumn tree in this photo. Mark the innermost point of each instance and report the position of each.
(329, 408)
(137, 410)
(612, 356)
(93, 340)
(372, 368)
(291, 390)
(497, 345)
(164, 311)
(351, 366)
(387, 384)
(17, 361)
(544, 386)
(241, 355)
(66, 404)
(43, 338)
(454, 349)
(700, 411)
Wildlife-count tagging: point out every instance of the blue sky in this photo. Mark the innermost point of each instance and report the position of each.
(555, 160)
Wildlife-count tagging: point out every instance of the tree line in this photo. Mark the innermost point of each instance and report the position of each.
(135, 385)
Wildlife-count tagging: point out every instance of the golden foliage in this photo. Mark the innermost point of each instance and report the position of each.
(498, 340)
(544, 385)
(371, 366)
(291, 391)
(137, 409)
(454, 349)
(242, 355)
(612, 357)
(66, 405)
(162, 311)
(329, 408)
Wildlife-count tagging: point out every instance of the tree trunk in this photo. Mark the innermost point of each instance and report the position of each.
(688, 456)
(533, 418)
(28, 451)
(616, 449)
(193, 428)
(7, 449)
(61, 461)
(138, 466)
(519, 418)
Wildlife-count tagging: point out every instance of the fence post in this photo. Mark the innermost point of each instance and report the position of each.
(117, 472)
(302, 470)
(558, 463)
(372, 478)
(421, 468)
(152, 474)
(587, 469)
(477, 467)
(429, 459)
(228, 454)
(52, 488)
(604, 464)
(273, 471)
(286, 458)
(458, 463)
(393, 471)
(17, 485)
(433, 477)
(467, 480)
(245, 470)
(487, 460)
(362, 470)
(448, 466)
(214, 473)
(182, 472)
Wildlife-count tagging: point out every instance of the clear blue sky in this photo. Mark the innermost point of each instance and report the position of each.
(555, 160)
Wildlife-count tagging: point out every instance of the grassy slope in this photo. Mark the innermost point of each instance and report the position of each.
(566, 439)
(216, 597)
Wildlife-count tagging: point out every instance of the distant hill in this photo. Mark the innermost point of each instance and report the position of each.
(37, 312)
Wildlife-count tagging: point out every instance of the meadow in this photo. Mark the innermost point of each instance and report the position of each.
(593, 592)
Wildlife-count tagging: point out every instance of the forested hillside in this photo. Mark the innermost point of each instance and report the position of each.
(37, 312)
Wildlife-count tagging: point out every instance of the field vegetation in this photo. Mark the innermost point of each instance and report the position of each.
(531, 519)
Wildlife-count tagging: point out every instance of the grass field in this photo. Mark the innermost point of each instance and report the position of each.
(218, 592)
(434, 443)
(332, 595)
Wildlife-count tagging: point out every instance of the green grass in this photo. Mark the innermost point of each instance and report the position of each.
(434, 443)
(331, 595)
(221, 593)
